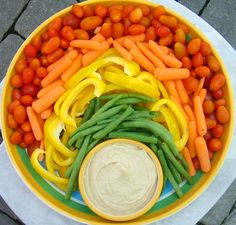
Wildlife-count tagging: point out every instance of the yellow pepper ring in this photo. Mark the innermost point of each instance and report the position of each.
(60, 161)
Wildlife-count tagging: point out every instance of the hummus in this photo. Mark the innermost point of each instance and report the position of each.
(120, 179)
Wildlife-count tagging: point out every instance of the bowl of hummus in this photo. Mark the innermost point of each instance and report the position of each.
(120, 179)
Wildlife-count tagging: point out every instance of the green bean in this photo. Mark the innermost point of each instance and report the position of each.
(107, 120)
(169, 174)
(126, 95)
(154, 148)
(69, 171)
(76, 166)
(101, 116)
(110, 127)
(175, 172)
(164, 180)
(79, 142)
(137, 136)
(176, 163)
(93, 143)
(85, 132)
(140, 108)
(130, 101)
(97, 105)
(89, 111)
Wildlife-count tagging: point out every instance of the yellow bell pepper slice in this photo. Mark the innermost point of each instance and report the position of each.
(131, 83)
(114, 69)
(108, 53)
(171, 123)
(113, 87)
(162, 89)
(99, 87)
(58, 103)
(130, 68)
(183, 125)
(43, 172)
(52, 129)
(60, 161)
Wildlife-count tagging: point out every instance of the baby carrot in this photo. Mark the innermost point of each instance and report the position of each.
(123, 52)
(202, 94)
(165, 49)
(202, 153)
(141, 59)
(139, 37)
(57, 71)
(49, 87)
(129, 44)
(199, 115)
(71, 54)
(200, 86)
(165, 58)
(36, 128)
(180, 107)
(181, 91)
(170, 86)
(155, 60)
(189, 161)
(76, 64)
(171, 73)
(48, 99)
(192, 136)
(109, 41)
(46, 113)
(88, 44)
(92, 55)
(98, 37)
(188, 110)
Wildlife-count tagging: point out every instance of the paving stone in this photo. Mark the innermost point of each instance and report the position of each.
(221, 209)
(5, 209)
(220, 14)
(231, 220)
(5, 220)
(9, 10)
(193, 5)
(8, 48)
(38, 11)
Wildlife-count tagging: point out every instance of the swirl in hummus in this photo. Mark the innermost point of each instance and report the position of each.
(120, 179)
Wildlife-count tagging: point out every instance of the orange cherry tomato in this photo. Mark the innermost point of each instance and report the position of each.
(179, 36)
(65, 44)
(218, 131)
(222, 114)
(159, 11)
(16, 81)
(116, 7)
(187, 63)
(218, 93)
(135, 15)
(56, 24)
(54, 56)
(180, 50)
(21, 65)
(181, 26)
(205, 49)
(197, 60)
(191, 84)
(30, 51)
(215, 145)
(77, 11)
(11, 121)
(115, 15)
(117, 30)
(219, 102)
(100, 10)
(26, 100)
(28, 138)
(71, 20)
(81, 34)
(41, 72)
(127, 9)
(166, 41)
(30, 89)
(12, 106)
(52, 45)
(88, 11)
(106, 30)
(145, 9)
(28, 75)
(90, 23)
(169, 21)
(16, 137)
(52, 33)
(163, 31)
(19, 114)
(217, 82)
(202, 71)
(43, 60)
(194, 46)
(35, 63)
(126, 24)
(145, 21)
(136, 29)
(68, 33)
(26, 127)
(213, 63)
(210, 123)
(45, 36)
(37, 42)
(151, 33)
(208, 107)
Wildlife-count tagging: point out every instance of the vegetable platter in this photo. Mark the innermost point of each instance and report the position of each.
(101, 70)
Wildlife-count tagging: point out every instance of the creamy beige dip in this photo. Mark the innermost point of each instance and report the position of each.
(120, 179)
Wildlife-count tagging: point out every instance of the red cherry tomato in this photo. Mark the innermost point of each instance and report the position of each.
(30, 51)
(217, 131)
(30, 89)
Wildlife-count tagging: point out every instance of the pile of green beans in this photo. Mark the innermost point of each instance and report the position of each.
(124, 115)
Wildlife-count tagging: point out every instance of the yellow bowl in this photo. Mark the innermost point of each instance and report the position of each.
(80, 212)
(152, 200)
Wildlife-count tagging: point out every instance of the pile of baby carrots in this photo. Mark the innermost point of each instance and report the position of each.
(156, 40)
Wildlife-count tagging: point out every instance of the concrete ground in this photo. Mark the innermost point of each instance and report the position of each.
(14, 28)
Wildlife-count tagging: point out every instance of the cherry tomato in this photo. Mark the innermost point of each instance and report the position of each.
(217, 82)
(26, 100)
(218, 93)
(205, 49)
(202, 71)
(100, 10)
(135, 15)
(71, 20)
(210, 123)
(159, 11)
(28, 138)
(163, 31)
(54, 56)
(81, 34)
(64, 44)
(208, 136)
(127, 9)
(21, 65)
(117, 30)
(145, 9)
(77, 11)
(32, 147)
(45, 36)
(11, 121)
(90, 23)
(180, 50)
(16, 94)
(197, 60)
(196, 163)
(30, 89)
(208, 96)
(26, 127)
(37, 81)
(215, 145)
(155, 23)
(13, 105)
(181, 26)
(16, 137)
(151, 33)
(52, 45)
(166, 41)
(68, 33)
(208, 107)
(23, 145)
(213, 63)
(16, 81)
(37, 42)
(115, 7)
(43, 60)
(28, 75)
(35, 63)
(211, 154)
(222, 114)
(179, 36)
(218, 131)
(194, 46)
(136, 29)
(56, 24)
(167, 20)
(115, 15)
(145, 21)
(88, 11)
(30, 51)
(19, 114)
(219, 102)
(187, 63)
(127, 24)
(52, 33)
(191, 84)
(106, 30)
